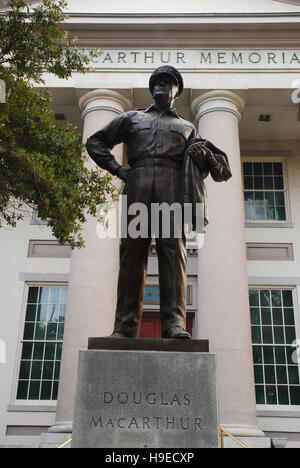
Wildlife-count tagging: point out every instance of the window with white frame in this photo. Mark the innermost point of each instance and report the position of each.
(276, 365)
(265, 191)
(42, 342)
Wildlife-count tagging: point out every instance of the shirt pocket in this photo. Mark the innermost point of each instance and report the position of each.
(138, 126)
(179, 129)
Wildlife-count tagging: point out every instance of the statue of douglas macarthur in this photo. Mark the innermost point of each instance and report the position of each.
(168, 164)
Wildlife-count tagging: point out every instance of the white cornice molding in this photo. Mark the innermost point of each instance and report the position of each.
(290, 2)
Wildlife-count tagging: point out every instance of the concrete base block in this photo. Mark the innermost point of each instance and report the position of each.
(155, 399)
(52, 440)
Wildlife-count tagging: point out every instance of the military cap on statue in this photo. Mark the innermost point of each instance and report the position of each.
(167, 70)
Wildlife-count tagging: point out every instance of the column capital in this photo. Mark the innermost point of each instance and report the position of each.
(104, 99)
(218, 100)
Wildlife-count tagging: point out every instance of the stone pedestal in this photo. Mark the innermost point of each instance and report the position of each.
(136, 398)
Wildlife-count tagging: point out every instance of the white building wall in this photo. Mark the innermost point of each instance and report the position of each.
(13, 263)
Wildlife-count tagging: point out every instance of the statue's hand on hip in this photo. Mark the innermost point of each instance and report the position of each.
(123, 173)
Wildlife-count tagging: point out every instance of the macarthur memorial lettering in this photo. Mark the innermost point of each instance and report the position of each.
(202, 58)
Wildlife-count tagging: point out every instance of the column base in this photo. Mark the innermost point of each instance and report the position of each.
(61, 428)
(243, 431)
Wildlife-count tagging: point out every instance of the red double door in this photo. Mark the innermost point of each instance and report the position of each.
(151, 328)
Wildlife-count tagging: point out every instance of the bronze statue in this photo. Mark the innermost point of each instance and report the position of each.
(168, 164)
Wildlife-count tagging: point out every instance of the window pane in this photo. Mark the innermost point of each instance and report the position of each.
(50, 351)
(268, 355)
(29, 331)
(55, 296)
(259, 199)
(270, 374)
(295, 395)
(34, 390)
(254, 299)
(260, 394)
(287, 298)
(257, 355)
(256, 335)
(255, 316)
(40, 330)
(280, 198)
(27, 350)
(53, 313)
(260, 214)
(44, 295)
(270, 198)
(33, 295)
(265, 298)
(22, 390)
(60, 332)
(259, 374)
(280, 214)
(294, 375)
(290, 334)
(281, 375)
(258, 183)
(267, 335)
(51, 332)
(276, 299)
(248, 168)
(283, 396)
(268, 183)
(268, 169)
(278, 169)
(289, 318)
(48, 370)
(266, 316)
(280, 355)
(277, 317)
(42, 313)
(64, 294)
(248, 183)
(38, 351)
(279, 335)
(271, 395)
(270, 213)
(36, 370)
(289, 352)
(62, 313)
(46, 391)
(25, 370)
(278, 183)
(258, 168)
(57, 371)
(30, 313)
(55, 391)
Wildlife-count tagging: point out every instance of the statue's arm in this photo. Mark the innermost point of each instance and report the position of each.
(99, 145)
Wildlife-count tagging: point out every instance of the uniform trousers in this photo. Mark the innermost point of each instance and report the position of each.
(152, 182)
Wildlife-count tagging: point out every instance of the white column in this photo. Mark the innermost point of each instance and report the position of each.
(92, 292)
(224, 316)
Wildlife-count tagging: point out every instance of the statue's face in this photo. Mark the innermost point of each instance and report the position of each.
(165, 88)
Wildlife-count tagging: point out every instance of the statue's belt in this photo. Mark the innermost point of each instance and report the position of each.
(153, 162)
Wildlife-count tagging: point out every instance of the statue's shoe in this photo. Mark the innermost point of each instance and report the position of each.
(118, 335)
(176, 333)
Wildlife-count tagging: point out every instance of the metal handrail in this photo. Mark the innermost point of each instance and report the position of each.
(223, 431)
(65, 443)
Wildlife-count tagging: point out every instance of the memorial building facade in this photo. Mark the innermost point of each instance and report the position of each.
(240, 62)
